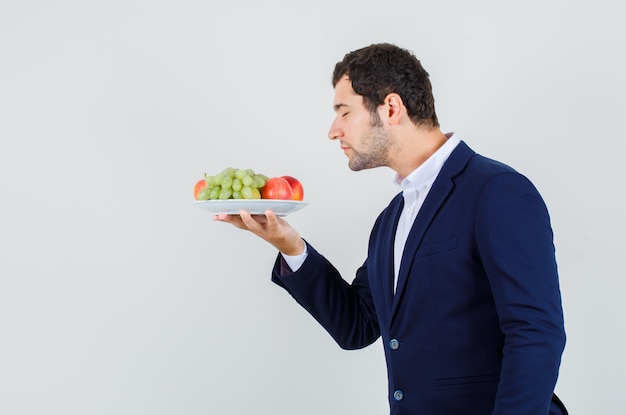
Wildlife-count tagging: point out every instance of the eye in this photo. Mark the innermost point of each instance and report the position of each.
(344, 114)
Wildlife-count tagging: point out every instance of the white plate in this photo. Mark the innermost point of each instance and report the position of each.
(255, 206)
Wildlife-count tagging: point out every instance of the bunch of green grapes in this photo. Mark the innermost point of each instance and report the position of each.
(233, 184)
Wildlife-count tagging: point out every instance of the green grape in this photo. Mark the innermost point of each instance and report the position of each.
(227, 182)
(210, 181)
(246, 192)
(225, 194)
(259, 181)
(229, 172)
(233, 183)
(218, 178)
(204, 193)
(215, 193)
(247, 181)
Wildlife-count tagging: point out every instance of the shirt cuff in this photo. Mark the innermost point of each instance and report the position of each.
(295, 261)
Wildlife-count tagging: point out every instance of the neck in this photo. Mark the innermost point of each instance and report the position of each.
(412, 150)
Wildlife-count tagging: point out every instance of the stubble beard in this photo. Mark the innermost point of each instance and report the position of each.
(375, 145)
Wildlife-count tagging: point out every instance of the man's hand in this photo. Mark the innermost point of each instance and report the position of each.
(271, 228)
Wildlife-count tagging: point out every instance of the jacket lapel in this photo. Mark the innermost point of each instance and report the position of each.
(387, 245)
(437, 195)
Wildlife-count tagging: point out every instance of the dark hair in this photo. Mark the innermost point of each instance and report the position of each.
(381, 69)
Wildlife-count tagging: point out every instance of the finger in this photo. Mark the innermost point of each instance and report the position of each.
(232, 219)
(252, 223)
(223, 217)
(272, 220)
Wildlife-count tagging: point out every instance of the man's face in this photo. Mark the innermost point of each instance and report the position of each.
(362, 135)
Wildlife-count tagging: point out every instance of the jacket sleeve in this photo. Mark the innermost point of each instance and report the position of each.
(515, 240)
(345, 310)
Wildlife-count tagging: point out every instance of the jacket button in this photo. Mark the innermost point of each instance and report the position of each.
(394, 344)
(398, 395)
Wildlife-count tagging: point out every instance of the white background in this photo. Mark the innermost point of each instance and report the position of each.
(119, 296)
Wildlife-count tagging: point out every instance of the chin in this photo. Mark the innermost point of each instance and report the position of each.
(356, 166)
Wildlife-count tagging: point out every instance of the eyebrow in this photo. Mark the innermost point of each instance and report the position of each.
(337, 107)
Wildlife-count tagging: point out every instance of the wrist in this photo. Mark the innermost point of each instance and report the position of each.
(294, 250)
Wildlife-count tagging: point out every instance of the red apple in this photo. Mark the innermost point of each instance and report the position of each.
(297, 191)
(276, 188)
(200, 184)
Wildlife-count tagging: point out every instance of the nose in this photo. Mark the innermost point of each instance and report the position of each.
(335, 132)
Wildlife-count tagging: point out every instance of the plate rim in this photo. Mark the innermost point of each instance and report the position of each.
(290, 201)
(291, 205)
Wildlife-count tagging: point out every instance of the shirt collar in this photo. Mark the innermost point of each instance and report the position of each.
(426, 173)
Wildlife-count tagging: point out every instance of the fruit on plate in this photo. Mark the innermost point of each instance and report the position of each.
(297, 191)
(276, 188)
(233, 183)
(200, 184)
(230, 183)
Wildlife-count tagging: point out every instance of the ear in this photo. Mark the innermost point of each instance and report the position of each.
(394, 108)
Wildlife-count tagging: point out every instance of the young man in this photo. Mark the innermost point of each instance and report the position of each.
(460, 280)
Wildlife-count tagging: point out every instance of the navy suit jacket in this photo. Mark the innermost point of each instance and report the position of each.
(475, 326)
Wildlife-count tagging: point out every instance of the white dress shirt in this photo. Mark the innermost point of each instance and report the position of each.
(415, 188)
